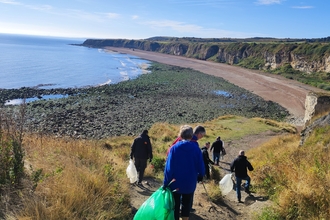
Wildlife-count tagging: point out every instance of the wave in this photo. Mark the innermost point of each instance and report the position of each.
(105, 83)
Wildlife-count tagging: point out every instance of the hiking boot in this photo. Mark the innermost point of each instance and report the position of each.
(247, 191)
(192, 210)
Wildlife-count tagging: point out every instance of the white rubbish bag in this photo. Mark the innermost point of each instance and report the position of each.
(226, 184)
(131, 172)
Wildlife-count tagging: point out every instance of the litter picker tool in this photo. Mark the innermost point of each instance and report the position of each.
(209, 199)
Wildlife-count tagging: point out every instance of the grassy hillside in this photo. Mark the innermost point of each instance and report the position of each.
(86, 179)
(295, 177)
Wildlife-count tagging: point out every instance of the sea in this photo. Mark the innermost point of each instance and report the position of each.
(53, 62)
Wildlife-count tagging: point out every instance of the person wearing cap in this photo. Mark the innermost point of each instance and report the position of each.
(217, 147)
(141, 151)
(240, 165)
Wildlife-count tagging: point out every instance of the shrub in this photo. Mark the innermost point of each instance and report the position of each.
(158, 164)
(11, 149)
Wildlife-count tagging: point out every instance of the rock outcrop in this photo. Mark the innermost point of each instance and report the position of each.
(316, 104)
(321, 122)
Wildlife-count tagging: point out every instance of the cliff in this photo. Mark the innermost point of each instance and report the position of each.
(303, 56)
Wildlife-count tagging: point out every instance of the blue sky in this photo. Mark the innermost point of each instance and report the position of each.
(141, 19)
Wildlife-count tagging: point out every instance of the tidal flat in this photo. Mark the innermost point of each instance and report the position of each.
(165, 94)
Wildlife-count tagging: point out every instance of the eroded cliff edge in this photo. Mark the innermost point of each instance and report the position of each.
(306, 57)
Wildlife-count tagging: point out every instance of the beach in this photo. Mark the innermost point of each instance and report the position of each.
(288, 93)
(169, 94)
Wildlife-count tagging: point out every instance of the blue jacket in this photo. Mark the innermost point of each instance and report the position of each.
(184, 164)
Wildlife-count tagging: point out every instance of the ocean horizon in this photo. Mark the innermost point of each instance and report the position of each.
(50, 62)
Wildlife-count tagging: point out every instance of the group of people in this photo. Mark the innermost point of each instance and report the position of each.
(187, 164)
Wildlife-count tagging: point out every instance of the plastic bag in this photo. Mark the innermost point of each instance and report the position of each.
(226, 184)
(159, 206)
(131, 172)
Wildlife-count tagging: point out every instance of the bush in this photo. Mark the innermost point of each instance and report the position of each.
(11, 150)
(158, 164)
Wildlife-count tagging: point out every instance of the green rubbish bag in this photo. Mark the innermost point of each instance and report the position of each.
(159, 206)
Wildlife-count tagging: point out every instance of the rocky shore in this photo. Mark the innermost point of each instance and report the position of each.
(166, 94)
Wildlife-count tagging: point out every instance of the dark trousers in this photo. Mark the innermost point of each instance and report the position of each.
(183, 200)
(207, 171)
(140, 165)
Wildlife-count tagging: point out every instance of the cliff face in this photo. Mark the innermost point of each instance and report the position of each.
(316, 104)
(306, 57)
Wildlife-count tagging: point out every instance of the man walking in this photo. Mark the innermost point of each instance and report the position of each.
(141, 151)
(240, 166)
(217, 147)
(207, 160)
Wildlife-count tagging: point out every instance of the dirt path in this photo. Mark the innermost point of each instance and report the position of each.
(228, 208)
(288, 93)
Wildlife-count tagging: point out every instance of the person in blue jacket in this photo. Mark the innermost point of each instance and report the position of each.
(184, 164)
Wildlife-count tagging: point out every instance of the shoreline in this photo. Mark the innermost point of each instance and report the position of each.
(288, 93)
(170, 94)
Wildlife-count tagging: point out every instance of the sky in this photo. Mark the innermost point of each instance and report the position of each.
(140, 19)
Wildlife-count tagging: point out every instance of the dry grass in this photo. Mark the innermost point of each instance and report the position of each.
(79, 180)
(296, 178)
(86, 179)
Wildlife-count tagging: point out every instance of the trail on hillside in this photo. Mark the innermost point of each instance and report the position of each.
(226, 209)
(288, 93)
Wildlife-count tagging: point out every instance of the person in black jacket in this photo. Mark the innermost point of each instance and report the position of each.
(240, 166)
(207, 160)
(217, 147)
(141, 151)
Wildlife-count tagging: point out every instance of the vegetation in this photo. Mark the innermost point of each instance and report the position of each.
(295, 177)
(65, 175)
(11, 151)
(320, 80)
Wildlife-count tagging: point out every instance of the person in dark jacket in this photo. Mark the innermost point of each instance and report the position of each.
(207, 160)
(217, 147)
(240, 166)
(141, 151)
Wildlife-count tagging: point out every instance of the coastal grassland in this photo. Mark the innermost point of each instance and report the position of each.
(76, 179)
(229, 127)
(166, 94)
(295, 177)
(86, 179)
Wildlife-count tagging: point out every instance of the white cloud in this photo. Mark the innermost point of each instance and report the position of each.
(40, 7)
(174, 25)
(303, 7)
(10, 2)
(78, 14)
(112, 15)
(134, 17)
(269, 2)
(187, 30)
(35, 7)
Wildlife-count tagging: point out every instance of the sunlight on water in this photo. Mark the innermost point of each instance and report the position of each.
(28, 61)
(45, 97)
(223, 93)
